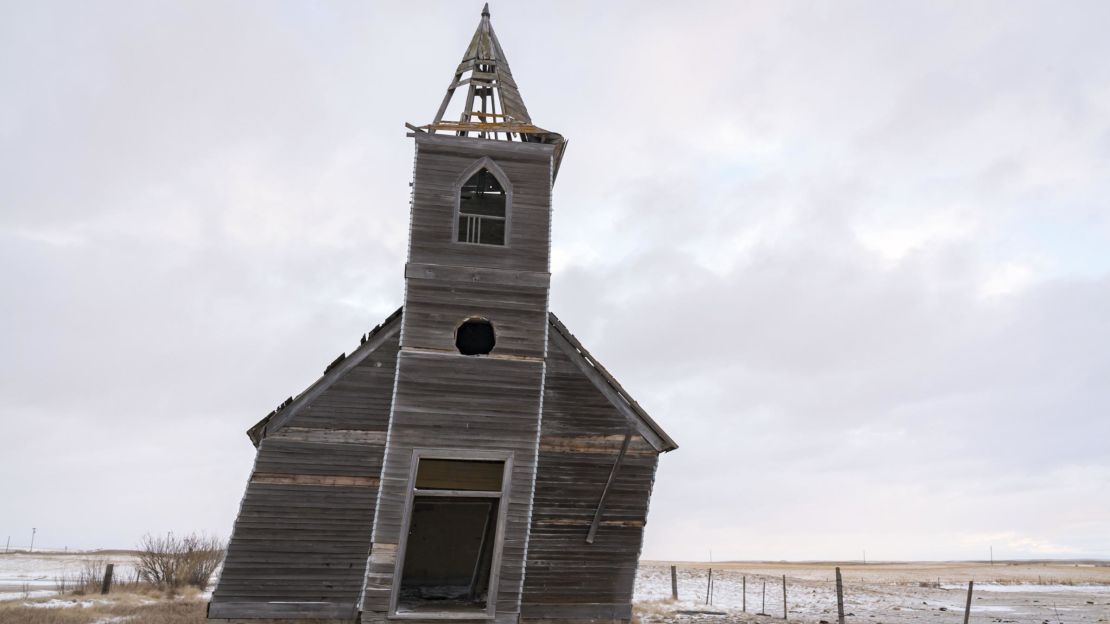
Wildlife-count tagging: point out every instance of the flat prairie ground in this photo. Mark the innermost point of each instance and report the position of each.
(877, 593)
(890, 593)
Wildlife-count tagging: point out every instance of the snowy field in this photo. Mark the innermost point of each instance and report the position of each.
(36, 575)
(894, 593)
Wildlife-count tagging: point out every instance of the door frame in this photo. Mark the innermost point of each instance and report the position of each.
(499, 534)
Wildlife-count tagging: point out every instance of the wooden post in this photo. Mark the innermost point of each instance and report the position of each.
(784, 596)
(674, 583)
(708, 585)
(839, 598)
(107, 584)
(967, 609)
(744, 592)
(763, 609)
(592, 533)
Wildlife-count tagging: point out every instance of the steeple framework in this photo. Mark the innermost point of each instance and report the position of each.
(493, 107)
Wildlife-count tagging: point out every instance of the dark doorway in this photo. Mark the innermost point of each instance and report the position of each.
(448, 554)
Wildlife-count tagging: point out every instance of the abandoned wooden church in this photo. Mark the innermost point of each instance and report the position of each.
(470, 460)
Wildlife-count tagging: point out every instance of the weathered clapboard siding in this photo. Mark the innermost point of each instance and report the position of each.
(444, 400)
(582, 433)
(300, 542)
(451, 401)
(434, 308)
(440, 161)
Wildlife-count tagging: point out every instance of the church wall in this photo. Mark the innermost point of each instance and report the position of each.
(581, 437)
(303, 530)
(448, 401)
(435, 307)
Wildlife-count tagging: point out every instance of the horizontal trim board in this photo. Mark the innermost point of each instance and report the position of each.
(281, 610)
(329, 436)
(538, 151)
(480, 275)
(273, 478)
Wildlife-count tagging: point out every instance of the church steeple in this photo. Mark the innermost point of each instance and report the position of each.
(492, 107)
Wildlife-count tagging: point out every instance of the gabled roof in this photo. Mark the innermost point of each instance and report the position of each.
(611, 388)
(560, 335)
(339, 367)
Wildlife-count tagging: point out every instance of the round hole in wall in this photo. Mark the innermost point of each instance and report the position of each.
(475, 337)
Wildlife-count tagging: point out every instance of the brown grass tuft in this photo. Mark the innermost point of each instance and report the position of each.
(129, 608)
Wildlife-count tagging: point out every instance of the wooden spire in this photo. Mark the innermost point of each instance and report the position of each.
(493, 107)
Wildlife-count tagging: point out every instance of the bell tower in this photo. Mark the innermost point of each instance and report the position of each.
(451, 526)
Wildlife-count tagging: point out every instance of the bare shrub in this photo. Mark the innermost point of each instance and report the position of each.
(86, 580)
(171, 562)
(89, 576)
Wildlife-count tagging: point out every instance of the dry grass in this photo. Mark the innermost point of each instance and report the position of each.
(652, 608)
(149, 607)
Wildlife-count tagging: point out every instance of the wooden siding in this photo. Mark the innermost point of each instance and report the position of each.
(440, 161)
(581, 437)
(434, 308)
(300, 542)
(446, 401)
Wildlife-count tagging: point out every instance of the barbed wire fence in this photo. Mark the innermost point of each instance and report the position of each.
(706, 591)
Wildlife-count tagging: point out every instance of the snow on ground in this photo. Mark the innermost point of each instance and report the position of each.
(892, 596)
(25, 595)
(56, 603)
(875, 594)
(34, 575)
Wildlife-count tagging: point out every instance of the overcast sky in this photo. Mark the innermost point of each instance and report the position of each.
(855, 257)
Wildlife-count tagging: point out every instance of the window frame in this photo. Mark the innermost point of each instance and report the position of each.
(411, 495)
(488, 164)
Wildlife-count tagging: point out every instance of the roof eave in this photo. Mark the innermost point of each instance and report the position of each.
(611, 388)
(277, 418)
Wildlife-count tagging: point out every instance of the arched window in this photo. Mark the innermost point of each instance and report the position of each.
(482, 208)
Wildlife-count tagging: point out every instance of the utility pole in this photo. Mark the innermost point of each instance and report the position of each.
(33, 530)
(8, 544)
(992, 554)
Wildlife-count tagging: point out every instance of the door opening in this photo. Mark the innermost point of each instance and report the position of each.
(452, 545)
(449, 552)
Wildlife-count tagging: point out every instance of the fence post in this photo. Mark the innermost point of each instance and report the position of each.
(744, 592)
(674, 583)
(763, 609)
(839, 598)
(784, 596)
(967, 609)
(107, 584)
(708, 585)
